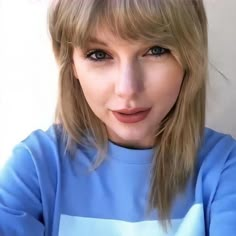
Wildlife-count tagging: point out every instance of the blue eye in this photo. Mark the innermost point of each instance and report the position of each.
(97, 55)
(158, 51)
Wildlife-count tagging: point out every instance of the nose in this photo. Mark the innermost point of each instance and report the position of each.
(129, 80)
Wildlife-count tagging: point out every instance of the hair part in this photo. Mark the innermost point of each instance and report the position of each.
(179, 25)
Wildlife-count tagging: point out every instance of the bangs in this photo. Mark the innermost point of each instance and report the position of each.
(140, 20)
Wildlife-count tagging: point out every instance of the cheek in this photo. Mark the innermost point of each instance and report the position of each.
(94, 88)
(165, 83)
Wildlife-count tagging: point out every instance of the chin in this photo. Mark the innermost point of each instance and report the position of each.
(133, 137)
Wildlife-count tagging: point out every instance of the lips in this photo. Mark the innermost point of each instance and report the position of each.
(132, 111)
(131, 115)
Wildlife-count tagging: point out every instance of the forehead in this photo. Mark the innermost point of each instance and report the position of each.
(104, 37)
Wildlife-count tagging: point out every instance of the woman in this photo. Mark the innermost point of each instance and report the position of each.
(129, 154)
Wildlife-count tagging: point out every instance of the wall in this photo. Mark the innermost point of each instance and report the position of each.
(221, 106)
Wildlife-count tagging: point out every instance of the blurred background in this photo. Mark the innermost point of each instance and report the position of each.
(28, 72)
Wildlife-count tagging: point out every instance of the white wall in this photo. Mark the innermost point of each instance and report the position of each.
(28, 75)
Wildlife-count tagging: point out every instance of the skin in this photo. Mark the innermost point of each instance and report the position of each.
(123, 75)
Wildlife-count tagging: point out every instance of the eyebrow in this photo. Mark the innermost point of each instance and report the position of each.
(95, 40)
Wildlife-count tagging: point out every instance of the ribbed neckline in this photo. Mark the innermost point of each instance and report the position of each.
(130, 156)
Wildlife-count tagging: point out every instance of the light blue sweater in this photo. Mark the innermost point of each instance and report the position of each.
(45, 192)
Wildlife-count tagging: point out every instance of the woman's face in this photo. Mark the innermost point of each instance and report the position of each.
(130, 86)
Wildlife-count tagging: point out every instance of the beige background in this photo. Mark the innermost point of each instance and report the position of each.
(221, 106)
(28, 77)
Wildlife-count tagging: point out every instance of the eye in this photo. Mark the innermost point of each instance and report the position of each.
(157, 51)
(97, 55)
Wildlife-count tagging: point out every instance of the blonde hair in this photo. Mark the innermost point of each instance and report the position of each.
(179, 25)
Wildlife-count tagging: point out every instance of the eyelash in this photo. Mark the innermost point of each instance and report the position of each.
(93, 52)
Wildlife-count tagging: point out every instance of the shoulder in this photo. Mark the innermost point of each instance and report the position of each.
(40, 140)
(216, 164)
(45, 153)
(217, 154)
(43, 147)
(28, 182)
(34, 165)
(216, 148)
(37, 156)
(216, 181)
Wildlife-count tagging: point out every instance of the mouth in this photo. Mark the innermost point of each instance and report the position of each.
(132, 111)
(132, 115)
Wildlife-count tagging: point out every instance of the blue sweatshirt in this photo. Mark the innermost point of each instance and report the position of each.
(43, 191)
